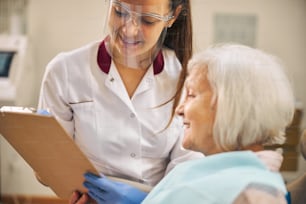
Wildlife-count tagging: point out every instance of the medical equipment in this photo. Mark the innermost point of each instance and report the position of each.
(12, 57)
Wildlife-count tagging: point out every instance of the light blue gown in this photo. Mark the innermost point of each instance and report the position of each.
(216, 179)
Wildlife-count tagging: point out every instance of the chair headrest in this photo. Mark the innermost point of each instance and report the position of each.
(303, 144)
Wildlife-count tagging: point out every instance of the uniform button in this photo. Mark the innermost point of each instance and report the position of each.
(133, 155)
(112, 79)
(132, 115)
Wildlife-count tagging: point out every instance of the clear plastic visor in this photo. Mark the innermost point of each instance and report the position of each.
(136, 32)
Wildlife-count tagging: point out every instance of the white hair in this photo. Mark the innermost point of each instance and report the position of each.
(253, 96)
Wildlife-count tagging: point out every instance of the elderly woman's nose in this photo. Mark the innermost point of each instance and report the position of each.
(180, 109)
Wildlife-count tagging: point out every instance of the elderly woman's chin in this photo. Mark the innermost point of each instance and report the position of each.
(187, 144)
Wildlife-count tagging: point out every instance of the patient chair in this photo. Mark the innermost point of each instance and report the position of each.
(297, 187)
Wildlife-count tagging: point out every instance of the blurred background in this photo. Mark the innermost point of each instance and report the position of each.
(32, 32)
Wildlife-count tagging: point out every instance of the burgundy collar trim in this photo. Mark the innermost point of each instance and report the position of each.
(104, 60)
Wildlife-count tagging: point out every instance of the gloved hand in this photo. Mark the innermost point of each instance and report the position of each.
(43, 112)
(106, 191)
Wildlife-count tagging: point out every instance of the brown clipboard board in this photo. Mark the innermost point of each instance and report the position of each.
(44, 144)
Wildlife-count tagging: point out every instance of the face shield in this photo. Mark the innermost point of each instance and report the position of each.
(136, 32)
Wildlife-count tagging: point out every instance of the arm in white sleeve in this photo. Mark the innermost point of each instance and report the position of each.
(54, 94)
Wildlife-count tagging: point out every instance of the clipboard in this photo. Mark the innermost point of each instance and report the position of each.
(44, 144)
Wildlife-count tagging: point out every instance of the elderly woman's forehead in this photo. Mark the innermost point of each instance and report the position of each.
(196, 74)
(197, 70)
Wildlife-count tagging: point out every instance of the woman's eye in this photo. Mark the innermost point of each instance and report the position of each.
(190, 94)
(121, 12)
(147, 20)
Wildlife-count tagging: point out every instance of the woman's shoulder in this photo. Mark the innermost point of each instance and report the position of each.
(74, 58)
(78, 53)
(171, 62)
(169, 54)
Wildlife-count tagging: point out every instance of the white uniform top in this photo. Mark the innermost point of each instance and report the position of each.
(122, 136)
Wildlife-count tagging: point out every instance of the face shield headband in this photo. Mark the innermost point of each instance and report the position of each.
(136, 32)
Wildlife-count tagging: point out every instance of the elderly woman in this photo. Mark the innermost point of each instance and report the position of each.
(236, 100)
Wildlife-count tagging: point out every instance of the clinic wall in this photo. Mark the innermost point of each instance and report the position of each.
(281, 30)
(57, 25)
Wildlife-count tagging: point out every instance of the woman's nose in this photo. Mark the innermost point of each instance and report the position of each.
(131, 26)
(180, 109)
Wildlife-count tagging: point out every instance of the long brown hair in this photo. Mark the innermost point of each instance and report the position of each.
(179, 38)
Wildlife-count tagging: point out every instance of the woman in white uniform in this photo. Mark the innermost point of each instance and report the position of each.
(116, 97)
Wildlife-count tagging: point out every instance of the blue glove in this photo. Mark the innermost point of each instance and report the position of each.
(42, 112)
(106, 191)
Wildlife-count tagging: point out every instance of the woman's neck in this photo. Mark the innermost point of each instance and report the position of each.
(254, 147)
(131, 77)
(142, 61)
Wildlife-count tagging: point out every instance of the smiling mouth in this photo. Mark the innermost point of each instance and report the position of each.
(186, 125)
(130, 42)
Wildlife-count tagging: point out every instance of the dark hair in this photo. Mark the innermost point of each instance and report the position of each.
(179, 38)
